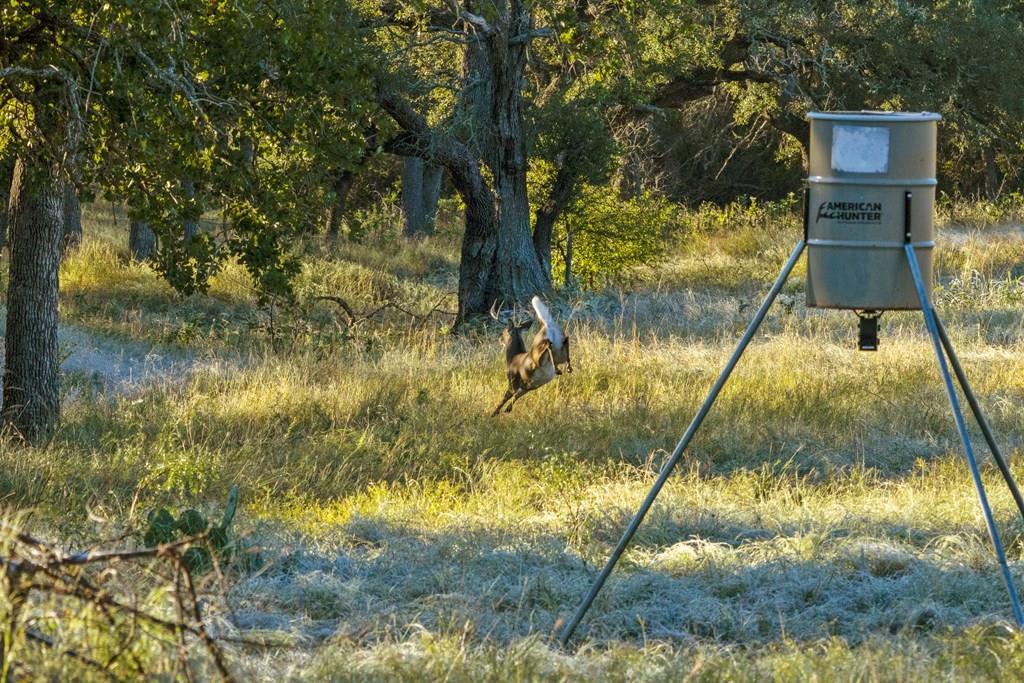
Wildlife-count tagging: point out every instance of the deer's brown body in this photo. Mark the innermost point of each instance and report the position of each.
(525, 368)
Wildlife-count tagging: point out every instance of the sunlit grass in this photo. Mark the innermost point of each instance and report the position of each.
(823, 522)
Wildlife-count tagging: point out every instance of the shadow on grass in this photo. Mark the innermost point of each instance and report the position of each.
(385, 581)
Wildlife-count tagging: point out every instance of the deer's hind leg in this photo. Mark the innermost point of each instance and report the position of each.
(515, 398)
(508, 394)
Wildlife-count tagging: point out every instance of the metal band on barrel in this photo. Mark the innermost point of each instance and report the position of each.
(874, 182)
(929, 244)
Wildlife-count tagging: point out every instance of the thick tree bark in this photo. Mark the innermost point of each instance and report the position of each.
(476, 101)
(72, 236)
(493, 68)
(480, 239)
(141, 240)
(499, 261)
(31, 403)
(517, 274)
(479, 247)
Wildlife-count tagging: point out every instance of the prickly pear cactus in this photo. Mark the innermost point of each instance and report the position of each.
(162, 527)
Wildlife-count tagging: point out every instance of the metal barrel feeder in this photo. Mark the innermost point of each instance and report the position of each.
(869, 232)
(871, 183)
(863, 168)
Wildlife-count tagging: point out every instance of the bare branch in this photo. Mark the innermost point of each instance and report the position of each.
(32, 566)
(530, 35)
(475, 20)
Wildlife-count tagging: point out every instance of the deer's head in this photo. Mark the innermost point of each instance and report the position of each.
(512, 336)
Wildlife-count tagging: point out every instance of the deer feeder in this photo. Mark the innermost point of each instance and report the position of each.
(868, 231)
(872, 178)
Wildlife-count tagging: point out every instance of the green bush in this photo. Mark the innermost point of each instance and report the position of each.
(609, 235)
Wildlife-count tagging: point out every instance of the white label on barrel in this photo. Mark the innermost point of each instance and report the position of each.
(860, 149)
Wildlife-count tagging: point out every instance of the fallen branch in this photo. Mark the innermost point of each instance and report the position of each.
(418, 320)
(31, 566)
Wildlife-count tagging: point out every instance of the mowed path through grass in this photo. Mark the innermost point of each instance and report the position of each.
(97, 363)
(822, 524)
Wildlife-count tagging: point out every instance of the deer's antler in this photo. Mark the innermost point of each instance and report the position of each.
(496, 310)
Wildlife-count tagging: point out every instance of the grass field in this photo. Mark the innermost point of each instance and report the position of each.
(822, 525)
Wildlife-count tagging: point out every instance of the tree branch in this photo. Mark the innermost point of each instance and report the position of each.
(474, 20)
(530, 35)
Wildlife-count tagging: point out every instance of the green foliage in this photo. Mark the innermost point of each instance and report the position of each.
(744, 213)
(1008, 207)
(242, 106)
(733, 67)
(188, 266)
(611, 234)
(163, 528)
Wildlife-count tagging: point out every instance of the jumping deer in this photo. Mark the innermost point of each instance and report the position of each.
(533, 367)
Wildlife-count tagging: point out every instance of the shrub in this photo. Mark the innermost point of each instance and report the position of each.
(603, 235)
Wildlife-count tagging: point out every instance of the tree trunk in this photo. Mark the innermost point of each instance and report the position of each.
(480, 239)
(499, 261)
(341, 187)
(568, 253)
(421, 190)
(476, 100)
(479, 246)
(6, 178)
(432, 176)
(191, 222)
(517, 274)
(31, 403)
(344, 179)
(141, 240)
(553, 206)
(72, 235)
(993, 176)
(412, 197)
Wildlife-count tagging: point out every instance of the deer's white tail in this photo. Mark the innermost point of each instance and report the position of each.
(554, 332)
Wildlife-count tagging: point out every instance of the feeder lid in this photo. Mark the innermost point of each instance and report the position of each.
(874, 116)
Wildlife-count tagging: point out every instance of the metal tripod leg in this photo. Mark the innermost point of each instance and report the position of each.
(961, 427)
(666, 470)
(972, 401)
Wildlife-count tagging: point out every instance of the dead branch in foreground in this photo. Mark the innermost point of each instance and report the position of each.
(37, 573)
